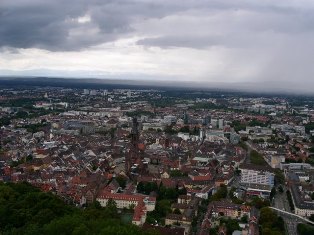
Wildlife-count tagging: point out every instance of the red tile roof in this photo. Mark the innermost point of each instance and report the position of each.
(126, 197)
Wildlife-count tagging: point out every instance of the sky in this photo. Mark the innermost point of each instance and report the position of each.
(263, 42)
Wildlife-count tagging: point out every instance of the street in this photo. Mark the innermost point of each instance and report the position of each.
(280, 201)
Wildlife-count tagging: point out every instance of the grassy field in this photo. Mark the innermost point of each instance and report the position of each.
(257, 159)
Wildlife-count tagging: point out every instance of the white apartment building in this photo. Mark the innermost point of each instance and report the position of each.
(305, 212)
(257, 177)
(125, 200)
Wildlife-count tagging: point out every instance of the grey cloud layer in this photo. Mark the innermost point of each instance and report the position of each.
(52, 24)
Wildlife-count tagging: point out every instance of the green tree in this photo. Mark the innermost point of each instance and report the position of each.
(270, 222)
(177, 211)
(147, 187)
(304, 229)
(256, 158)
(24, 210)
(213, 231)
(111, 208)
(259, 203)
(290, 200)
(244, 219)
(121, 181)
(272, 193)
(185, 129)
(169, 130)
(231, 192)
(177, 173)
(238, 125)
(163, 207)
(280, 189)
(221, 193)
(231, 225)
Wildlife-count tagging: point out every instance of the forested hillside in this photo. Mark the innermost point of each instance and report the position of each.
(26, 210)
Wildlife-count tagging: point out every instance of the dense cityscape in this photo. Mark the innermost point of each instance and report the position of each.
(145, 117)
(169, 161)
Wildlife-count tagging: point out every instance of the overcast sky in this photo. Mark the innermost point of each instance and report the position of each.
(206, 41)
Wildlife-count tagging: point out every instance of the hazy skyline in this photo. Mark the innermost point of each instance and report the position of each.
(236, 41)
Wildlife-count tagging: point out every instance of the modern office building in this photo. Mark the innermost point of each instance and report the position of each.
(257, 181)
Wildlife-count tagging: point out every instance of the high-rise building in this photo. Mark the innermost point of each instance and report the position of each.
(202, 134)
(221, 123)
(214, 122)
(186, 118)
(206, 120)
(93, 92)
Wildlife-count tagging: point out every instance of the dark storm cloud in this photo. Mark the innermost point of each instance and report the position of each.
(231, 27)
(53, 25)
(25, 24)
